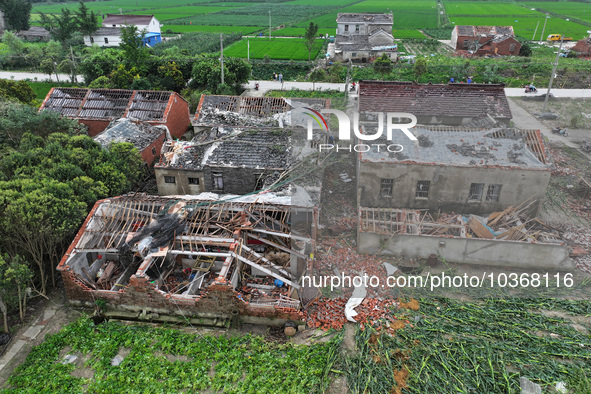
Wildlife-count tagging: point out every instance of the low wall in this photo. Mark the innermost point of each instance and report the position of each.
(471, 250)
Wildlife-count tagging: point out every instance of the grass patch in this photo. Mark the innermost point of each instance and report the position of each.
(42, 88)
(276, 48)
(212, 29)
(217, 364)
(300, 31)
(469, 8)
(407, 33)
(568, 9)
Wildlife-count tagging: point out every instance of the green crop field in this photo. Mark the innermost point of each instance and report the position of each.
(525, 27)
(277, 48)
(406, 33)
(212, 29)
(299, 32)
(464, 8)
(568, 9)
(163, 14)
(112, 6)
(407, 14)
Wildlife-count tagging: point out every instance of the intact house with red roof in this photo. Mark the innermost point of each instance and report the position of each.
(485, 40)
(97, 108)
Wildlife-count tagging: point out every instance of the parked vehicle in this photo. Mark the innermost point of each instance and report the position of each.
(558, 37)
(531, 89)
(256, 86)
(561, 131)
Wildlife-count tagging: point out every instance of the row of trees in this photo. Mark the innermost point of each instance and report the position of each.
(63, 26)
(50, 176)
(16, 14)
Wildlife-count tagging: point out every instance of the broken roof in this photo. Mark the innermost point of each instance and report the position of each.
(140, 134)
(372, 18)
(264, 149)
(503, 147)
(116, 19)
(238, 111)
(454, 99)
(110, 104)
(473, 31)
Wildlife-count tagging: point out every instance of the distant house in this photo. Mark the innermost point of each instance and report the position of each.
(485, 40)
(97, 108)
(142, 22)
(453, 104)
(35, 33)
(104, 37)
(583, 47)
(109, 35)
(363, 36)
(239, 163)
(146, 138)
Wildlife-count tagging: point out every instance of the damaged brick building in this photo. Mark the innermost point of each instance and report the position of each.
(146, 138)
(456, 170)
(196, 259)
(239, 162)
(97, 108)
(454, 104)
(485, 40)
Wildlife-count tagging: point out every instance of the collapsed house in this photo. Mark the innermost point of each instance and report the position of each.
(147, 139)
(237, 162)
(455, 170)
(97, 108)
(197, 259)
(451, 104)
(583, 47)
(363, 37)
(508, 238)
(485, 40)
(252, 112)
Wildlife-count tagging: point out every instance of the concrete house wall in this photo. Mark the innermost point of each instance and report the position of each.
(181, 181)
(111, 40)
(450, 186)
(235, 180)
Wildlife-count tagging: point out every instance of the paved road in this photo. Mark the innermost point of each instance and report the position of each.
(273, 85)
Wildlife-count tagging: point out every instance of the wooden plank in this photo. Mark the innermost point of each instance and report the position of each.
(479, 229)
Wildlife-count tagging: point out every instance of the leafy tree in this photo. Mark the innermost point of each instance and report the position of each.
(172, 77)
(67, 66)
(383, 65)
(420, 67)
(335, 73)
(316, 76)
(121, 78)
(19, 90)
(525, 49)
(15, 273)
(99, 62)
(17, 119)
(61, 26)
(310, 36)
(87, 21)
(132, 44)
(101, 82)
(16, 13)
(207, 73)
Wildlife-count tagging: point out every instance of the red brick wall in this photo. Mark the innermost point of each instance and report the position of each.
(147, 154)
(177, 116)
(95, 126)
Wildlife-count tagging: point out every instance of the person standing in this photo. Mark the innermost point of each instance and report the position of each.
(280, 77)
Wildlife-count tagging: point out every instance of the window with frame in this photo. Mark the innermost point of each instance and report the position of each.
(476, 190)
(356, 28)
(346, 27)
(193, 181)
(218, 181)
(154, 151)
(511, 47)
(493, 193)
(259, 181)
(91, 39)
(106, 40)
(386, 187)
(423, 189)
(169, 179)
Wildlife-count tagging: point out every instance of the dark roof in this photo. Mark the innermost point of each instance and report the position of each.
(34, 31)
(116, 19)
(264, 149)
(238, 111)
(364, 17)
(140, 134)
(108, 31)
(501, 147)
(455, 99)
(109, 104)
(473, 31)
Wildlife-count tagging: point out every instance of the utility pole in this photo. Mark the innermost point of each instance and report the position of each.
(269, 25)
(222, 56)
(544, 28)
(535, 31)
(74, 77)
(552, 76)
(248, 51)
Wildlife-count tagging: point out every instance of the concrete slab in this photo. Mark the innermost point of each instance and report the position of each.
(14, 349)
(32, 332)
